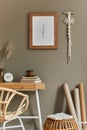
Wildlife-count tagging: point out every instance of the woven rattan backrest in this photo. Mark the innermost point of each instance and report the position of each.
(6, 97)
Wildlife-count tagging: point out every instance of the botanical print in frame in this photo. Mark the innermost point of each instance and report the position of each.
(43, 30)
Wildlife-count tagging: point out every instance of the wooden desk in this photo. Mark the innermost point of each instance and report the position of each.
(24, 86)
(28, 87)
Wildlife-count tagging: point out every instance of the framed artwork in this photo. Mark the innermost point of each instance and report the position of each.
(43, 30)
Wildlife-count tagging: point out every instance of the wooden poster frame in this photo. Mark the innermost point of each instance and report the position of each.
(43, 30)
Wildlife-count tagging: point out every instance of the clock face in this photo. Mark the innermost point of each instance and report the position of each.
(8, 77)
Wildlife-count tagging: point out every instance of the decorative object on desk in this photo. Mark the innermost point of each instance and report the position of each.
(69, 20)
(34, 79)
(43, 30)
(30, 73)
(30, 77)
(1, 74)
(60, 121)
(8, 77)
(6, 50)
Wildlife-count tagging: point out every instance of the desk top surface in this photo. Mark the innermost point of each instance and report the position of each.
(23, 86)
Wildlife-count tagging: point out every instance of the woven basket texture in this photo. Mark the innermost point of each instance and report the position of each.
(65, 124)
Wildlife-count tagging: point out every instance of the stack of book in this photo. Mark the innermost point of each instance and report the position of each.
(33, 79)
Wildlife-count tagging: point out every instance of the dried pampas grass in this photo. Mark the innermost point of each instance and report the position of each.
(9, 49)
(2, 45)
(6, 50)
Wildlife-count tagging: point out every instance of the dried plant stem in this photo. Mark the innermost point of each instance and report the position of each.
(6, 50)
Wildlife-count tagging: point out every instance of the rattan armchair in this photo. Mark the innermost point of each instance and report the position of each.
(12, 104)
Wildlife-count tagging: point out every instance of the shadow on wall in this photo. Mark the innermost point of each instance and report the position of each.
(60, 103)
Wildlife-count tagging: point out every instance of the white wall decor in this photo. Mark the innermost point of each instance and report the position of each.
(69, 20)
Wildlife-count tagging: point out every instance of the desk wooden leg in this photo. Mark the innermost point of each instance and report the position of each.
(39, 110)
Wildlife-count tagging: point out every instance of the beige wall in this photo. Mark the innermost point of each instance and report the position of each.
(50, 65)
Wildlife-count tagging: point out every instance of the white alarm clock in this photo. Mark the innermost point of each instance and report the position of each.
(8, 77)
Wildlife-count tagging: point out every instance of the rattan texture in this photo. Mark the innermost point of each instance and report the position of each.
(6, 98)
(65, 124)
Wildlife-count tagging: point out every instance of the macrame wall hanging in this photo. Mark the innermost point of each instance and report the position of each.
(69, 20)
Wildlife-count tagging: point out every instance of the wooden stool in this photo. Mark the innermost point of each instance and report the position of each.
(64, 124)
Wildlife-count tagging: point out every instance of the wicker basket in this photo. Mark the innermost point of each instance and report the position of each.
(65, 124)
(82, 125)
